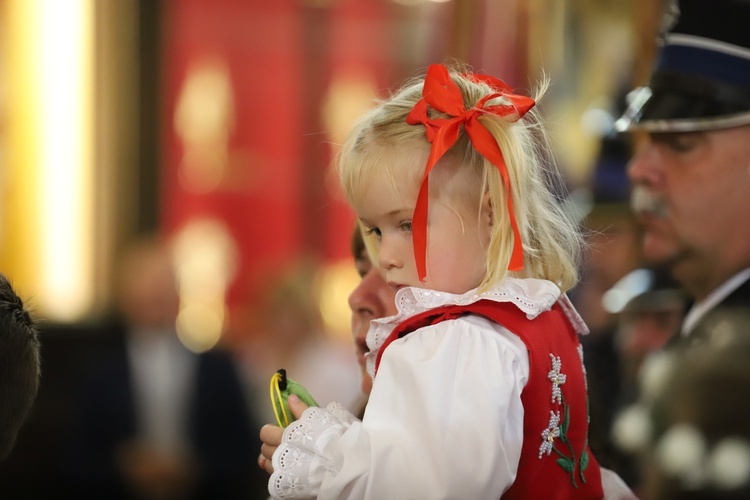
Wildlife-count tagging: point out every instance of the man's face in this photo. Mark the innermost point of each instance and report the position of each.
(371, 299)
(691, 194)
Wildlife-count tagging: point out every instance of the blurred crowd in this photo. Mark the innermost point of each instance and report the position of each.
(128, 411)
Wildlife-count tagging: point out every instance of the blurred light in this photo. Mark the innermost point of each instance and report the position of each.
(336, 283)
(204, 120)
(632, 429)
(199, 327)
(597, 122)
(630, 286)
(351, 93)
(205, 259)
(62, 35)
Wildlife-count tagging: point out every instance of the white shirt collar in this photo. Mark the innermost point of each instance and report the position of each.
(700, 309)
(532, 296)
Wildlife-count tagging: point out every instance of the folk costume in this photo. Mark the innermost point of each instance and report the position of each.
(443, 365)
(475, 395)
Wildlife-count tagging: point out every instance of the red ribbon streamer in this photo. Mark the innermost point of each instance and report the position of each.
(442, 94)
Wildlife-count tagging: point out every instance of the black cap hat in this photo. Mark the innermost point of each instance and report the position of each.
(701, 79)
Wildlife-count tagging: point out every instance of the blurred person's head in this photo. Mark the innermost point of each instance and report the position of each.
(691, 169)
(19, 365)
(371, 299)
(611, 252)
(649, 307)
(146, 285)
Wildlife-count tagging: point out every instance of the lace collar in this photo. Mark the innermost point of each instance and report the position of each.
(532, 296)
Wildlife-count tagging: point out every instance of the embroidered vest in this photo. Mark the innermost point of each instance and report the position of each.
(556, 462)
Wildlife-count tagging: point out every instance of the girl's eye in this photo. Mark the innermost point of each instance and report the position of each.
(406, 226)
(373, 230)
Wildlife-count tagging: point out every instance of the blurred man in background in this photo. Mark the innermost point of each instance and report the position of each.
(691, 170)
(155, 420)
(649, 306)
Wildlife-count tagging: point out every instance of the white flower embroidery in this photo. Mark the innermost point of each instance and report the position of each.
(557, 378)
(289, 457)
(550, 433)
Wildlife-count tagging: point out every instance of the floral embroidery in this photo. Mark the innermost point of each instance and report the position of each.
(559, 424)
(550, 433)
(557, 378)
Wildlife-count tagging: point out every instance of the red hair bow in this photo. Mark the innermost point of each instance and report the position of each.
(441, 93)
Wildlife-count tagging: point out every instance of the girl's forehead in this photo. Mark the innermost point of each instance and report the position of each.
(395, 165)
(408, 157)
(385, 193)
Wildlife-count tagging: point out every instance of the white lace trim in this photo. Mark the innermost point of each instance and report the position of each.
(532, 296)
(301, 453)
(575, 319)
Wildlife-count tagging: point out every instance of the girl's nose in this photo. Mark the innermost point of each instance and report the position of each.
(388, 254)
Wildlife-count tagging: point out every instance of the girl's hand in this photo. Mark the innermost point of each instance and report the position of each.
(271, 435)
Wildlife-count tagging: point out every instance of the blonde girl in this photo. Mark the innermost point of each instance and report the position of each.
(479, 388)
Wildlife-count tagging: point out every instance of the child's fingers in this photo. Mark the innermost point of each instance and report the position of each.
(296, 405)
(271, 434)
(267, 450)
(263, 462)
(269, 467)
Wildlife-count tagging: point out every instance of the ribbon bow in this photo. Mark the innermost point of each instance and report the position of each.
(441, 93)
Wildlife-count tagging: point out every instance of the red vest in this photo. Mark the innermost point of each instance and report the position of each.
(556, 462)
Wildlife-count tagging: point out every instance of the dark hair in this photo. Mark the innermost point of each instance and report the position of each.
(19, 365)
(357, 243)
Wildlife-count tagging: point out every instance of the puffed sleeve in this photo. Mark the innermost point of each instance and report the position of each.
(444, 420)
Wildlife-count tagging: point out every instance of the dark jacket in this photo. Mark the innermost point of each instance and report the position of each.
(222, 435)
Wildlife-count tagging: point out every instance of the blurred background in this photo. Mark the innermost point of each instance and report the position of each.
(212, 124)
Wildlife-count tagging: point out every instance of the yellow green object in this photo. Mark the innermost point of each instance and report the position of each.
(281, 388)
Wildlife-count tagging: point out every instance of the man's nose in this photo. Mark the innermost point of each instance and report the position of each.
(645, 167)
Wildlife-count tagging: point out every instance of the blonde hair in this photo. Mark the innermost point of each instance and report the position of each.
(551, 240)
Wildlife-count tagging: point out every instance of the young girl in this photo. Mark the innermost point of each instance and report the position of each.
(479, 388)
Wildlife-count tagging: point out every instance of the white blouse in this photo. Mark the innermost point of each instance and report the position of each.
(444, 419)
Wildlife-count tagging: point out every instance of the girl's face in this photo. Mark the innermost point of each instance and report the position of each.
(456, 237)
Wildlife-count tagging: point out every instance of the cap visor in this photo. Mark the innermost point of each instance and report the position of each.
(665, 111)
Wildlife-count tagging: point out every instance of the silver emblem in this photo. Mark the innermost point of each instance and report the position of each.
(670, 18)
